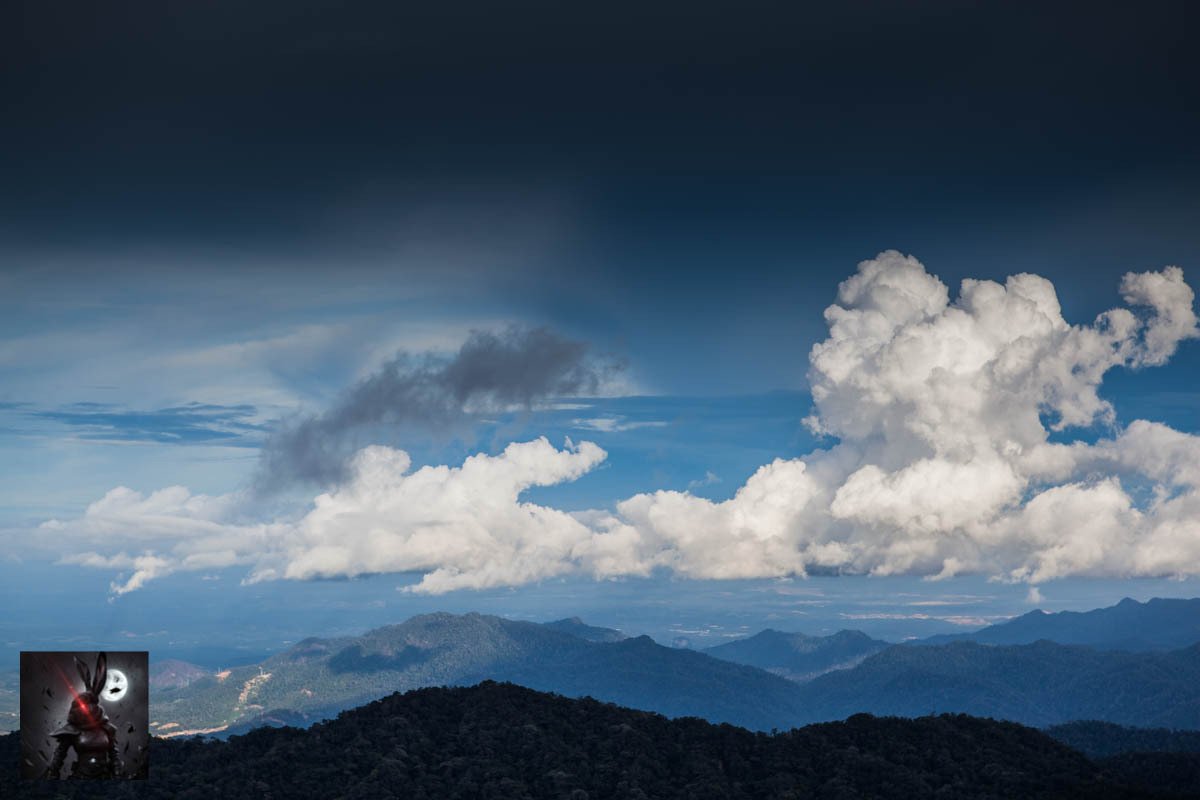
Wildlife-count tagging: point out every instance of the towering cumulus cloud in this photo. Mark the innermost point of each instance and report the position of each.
(940, 412)
(943, 411)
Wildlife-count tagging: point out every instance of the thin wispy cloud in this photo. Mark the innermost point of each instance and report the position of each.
(192, 423)
(614, 424)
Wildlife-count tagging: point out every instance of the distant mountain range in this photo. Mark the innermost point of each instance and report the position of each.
(1157, 624)
(1038, 684)
(741, 682)
(318, 677)
(501, 740)
(796, 656)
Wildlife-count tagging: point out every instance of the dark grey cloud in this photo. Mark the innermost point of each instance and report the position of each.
(491, 372)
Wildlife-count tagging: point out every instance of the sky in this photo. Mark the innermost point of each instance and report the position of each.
(558, 311)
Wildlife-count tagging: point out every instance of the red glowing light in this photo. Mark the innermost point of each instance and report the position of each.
(83, 706)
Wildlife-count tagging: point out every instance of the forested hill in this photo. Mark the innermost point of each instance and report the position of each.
(503, 741)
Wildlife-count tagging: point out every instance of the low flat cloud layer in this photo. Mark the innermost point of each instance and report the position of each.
(962, 440)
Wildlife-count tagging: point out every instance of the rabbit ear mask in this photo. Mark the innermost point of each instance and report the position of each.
(84, 673)
(101, 676)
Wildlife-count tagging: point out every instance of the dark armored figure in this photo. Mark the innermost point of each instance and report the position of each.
(88, 730)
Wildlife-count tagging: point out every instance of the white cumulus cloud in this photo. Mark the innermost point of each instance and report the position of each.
(462, 527)
(940, 410)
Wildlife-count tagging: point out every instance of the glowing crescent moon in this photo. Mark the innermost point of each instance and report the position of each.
(115, 687)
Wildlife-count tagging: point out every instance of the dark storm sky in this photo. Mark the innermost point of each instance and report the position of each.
(273, 124)
(685, 161)
(681, 166)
